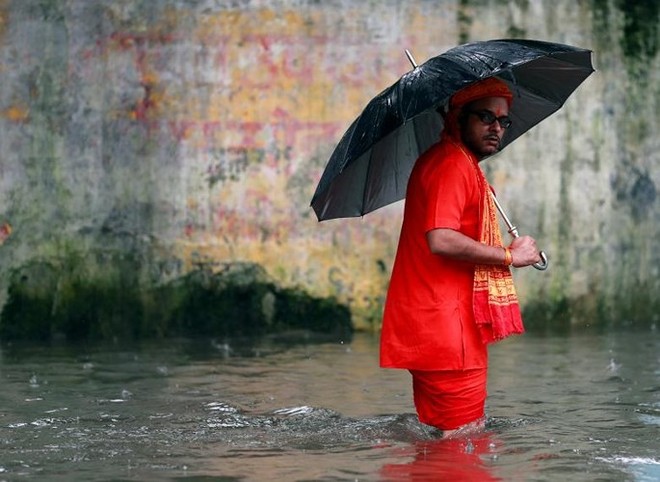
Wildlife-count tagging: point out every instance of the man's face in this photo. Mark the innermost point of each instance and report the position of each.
(478, 133)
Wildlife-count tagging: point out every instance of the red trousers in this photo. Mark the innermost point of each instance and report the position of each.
(449, 399)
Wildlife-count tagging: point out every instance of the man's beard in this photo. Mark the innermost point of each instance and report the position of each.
(478, 150)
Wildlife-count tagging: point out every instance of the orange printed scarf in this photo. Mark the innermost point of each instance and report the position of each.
(496, 309)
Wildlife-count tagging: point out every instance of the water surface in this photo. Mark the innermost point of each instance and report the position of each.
(583, 407)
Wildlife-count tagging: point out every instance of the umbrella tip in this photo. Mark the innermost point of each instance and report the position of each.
(411, 58)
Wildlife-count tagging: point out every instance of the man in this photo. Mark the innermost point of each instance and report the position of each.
(451, 291)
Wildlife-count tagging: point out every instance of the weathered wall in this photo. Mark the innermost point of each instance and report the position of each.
(193, 132)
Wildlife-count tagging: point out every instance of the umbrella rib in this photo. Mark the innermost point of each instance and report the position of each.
(363, 209)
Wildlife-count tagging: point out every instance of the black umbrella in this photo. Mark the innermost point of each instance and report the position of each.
(372, 162)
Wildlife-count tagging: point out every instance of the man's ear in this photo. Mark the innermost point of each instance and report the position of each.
(462, 118)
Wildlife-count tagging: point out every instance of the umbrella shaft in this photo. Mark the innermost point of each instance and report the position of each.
(513, 230)
(543, 264)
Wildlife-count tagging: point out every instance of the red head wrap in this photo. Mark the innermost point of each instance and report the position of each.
(490, 87)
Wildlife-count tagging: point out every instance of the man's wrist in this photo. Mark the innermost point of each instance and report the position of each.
(508, 257)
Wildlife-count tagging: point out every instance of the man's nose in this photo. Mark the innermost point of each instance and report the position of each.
(495, 126)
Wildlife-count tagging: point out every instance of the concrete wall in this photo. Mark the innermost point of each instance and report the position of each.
(189, 133)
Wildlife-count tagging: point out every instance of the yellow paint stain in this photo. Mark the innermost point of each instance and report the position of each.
(17, 113)
(295, 22)
(192, 204)
(267, 15)
(150, 78)
(238, 24)
(156, 97)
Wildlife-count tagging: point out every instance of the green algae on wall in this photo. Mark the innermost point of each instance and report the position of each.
(631, 28)
(641, 22)
(71, 301)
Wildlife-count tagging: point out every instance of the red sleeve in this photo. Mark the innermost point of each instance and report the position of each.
(448, 187)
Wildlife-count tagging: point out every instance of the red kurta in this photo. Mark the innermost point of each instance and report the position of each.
(429, 320)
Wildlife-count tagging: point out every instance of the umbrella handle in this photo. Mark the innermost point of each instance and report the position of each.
(513, 231)
(543, 264)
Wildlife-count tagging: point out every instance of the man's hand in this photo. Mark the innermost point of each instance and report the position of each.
(524, 252)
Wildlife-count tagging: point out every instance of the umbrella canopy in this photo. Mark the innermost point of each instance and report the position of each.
(371, 164)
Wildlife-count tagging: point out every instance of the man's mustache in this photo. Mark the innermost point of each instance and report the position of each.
(495, 138)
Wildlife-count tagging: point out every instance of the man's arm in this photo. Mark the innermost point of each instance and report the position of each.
(452, 244)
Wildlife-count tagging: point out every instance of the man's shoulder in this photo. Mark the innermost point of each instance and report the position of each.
(448, 155)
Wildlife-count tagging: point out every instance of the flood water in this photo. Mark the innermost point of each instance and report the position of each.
(583, 407)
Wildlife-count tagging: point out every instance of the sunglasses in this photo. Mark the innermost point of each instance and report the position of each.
(487, 117)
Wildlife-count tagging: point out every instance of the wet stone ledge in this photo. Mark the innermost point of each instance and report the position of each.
(70, 301)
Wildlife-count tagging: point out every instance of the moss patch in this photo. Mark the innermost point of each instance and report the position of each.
(65, 299)
(594, 311)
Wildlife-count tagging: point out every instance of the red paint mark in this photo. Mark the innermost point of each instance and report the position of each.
(180, 129)
(127, 40)
(264, 42)
(144, 105)
(289, 132)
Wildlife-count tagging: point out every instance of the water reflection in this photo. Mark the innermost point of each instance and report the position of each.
(460, 459)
